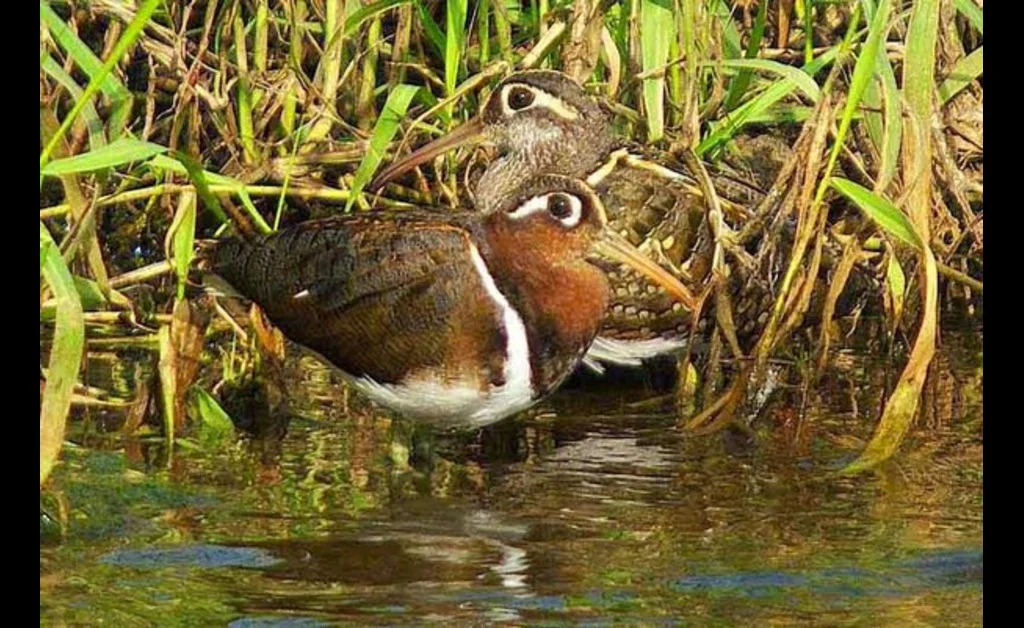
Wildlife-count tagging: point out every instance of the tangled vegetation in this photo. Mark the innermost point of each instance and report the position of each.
(165, 122)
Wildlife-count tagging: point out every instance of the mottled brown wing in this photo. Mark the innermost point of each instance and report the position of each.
(657, 206)
(375, 295)
(661, 216)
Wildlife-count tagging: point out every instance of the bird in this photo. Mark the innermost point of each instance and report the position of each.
(455, 318)
(542, 121)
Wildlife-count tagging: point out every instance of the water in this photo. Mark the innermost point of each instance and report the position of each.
(591, 510)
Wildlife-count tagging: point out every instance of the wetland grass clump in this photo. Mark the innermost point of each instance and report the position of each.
(163, 124)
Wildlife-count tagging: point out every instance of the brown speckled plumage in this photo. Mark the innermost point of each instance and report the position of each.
(400, 297)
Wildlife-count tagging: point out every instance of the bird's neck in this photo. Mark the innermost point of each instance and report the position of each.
(561, 302)
(513, 168)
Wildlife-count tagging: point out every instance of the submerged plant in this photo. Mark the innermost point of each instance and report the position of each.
(166, 123)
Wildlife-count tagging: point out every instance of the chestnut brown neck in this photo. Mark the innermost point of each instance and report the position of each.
(561, 298)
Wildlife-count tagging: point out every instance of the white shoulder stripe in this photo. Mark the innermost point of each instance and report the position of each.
(518, 389)
(460, 402)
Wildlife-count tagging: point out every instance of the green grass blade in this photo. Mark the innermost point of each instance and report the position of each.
(123, 151)
(722, 131)
(90, 296)
(364, 13)
(244, 101)
(800, 79)
(872, 98)
(503, 14)
(202, 178)
(128, 37)
(730, 32)
(483, 30)
(92, 119)
(883, 117)
(65, 353)
(657, 30)
(455, 38)
(82, 55)
(383, 131)
(787, 114)
(738, 86)
(919, 88)
(434, 34)
(863, 72)
(893, 135)
(876, 207)
(966, 71)
(181, 237)
(972, 12)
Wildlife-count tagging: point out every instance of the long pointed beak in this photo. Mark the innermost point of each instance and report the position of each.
(611, 245)
(469, 133)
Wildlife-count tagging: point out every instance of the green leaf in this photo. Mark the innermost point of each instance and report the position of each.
(863, 72)
(364, 13)
(965, 72)
(65, 353)
(92, 119)
(123, 151)
(890, 149)
(183, 164)
(128, 37)
(181, 237)
(455, 37)
(167, 370)
(896, 282)
(919, 67)
(888, 216)
(657, 31)
(89, 295)
(972, 12)
(383, 131)
(430, 27)
(730, 32)
(738, 86)
(215, 424)
(800, 79)
(724, 130)
(82, 55)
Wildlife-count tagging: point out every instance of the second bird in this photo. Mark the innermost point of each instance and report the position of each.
(459, 319)
(542, 121)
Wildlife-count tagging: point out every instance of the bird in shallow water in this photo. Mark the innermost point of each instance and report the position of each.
(460, 319)
(541, 121)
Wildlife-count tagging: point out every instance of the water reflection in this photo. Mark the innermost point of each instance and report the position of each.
(591, 507)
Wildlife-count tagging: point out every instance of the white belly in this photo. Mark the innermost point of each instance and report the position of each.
(629, 353)
(461, 403)
(447, 404)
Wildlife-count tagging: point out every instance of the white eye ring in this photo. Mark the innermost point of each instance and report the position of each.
(540, 204)
(540, 99)
(575, 210)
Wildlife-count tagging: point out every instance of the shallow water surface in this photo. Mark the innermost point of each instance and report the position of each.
(591, 509)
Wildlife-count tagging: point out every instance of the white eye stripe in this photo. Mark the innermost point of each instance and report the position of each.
(530, 207)
(540, 99)
(540, 204)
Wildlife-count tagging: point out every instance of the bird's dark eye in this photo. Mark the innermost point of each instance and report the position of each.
(559, 206)
(519, 98)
